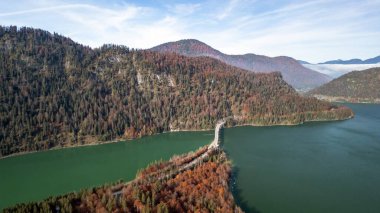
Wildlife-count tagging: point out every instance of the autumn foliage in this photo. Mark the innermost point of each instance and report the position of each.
(57, 93)
(203, 188)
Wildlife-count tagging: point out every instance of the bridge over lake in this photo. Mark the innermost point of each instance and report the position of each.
(216, 142)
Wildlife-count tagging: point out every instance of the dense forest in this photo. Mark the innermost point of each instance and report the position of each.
(292, 71)
(56, 93)
(203, 188)
(356, 86)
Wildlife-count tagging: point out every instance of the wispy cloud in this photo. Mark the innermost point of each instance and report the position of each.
(47, 9)
(312, 30)
(227, 9)
(184, 9)
(316, 31)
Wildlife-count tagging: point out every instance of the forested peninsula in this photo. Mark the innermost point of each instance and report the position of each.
(160, 188)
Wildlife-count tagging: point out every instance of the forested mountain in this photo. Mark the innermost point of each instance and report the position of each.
(293, 72)
(55, 92)
(356, 86)
(373, 60)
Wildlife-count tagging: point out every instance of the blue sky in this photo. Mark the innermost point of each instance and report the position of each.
(315, 31)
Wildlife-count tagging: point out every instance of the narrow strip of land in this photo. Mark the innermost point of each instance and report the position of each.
(214, 145)
(216, 142)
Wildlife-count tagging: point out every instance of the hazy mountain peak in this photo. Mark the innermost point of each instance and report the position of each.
(293, 72)
(188, 47)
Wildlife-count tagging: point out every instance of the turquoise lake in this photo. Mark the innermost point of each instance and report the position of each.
(36, 176)
(314, 167)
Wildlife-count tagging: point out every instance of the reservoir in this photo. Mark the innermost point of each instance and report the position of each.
(36, 176)
(315, 167)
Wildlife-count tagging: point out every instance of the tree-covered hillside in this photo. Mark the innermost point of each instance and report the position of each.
(356, 86)
(55, 92)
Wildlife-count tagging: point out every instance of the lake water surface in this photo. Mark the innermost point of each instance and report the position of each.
(316, 167)
(35, 176)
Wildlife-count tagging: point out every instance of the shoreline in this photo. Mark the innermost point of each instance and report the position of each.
(175, 130)
(350, 100)
(63, 147)
(289, 124)
(100, 143)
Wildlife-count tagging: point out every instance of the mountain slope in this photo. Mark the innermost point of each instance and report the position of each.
(293, 72)
(374, 60)
(356, 86)
(303, 62)
(57, 93)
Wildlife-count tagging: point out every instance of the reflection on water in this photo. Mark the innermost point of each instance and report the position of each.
(316, 167)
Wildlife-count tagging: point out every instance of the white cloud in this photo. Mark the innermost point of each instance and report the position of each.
(306, 30)
(227, 10)
(313, 30)
(184, 9)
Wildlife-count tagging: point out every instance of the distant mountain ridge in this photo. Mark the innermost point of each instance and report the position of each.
(337, 70)
(374, 60)
(303, 62)
(292, 71)
(356, 86)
